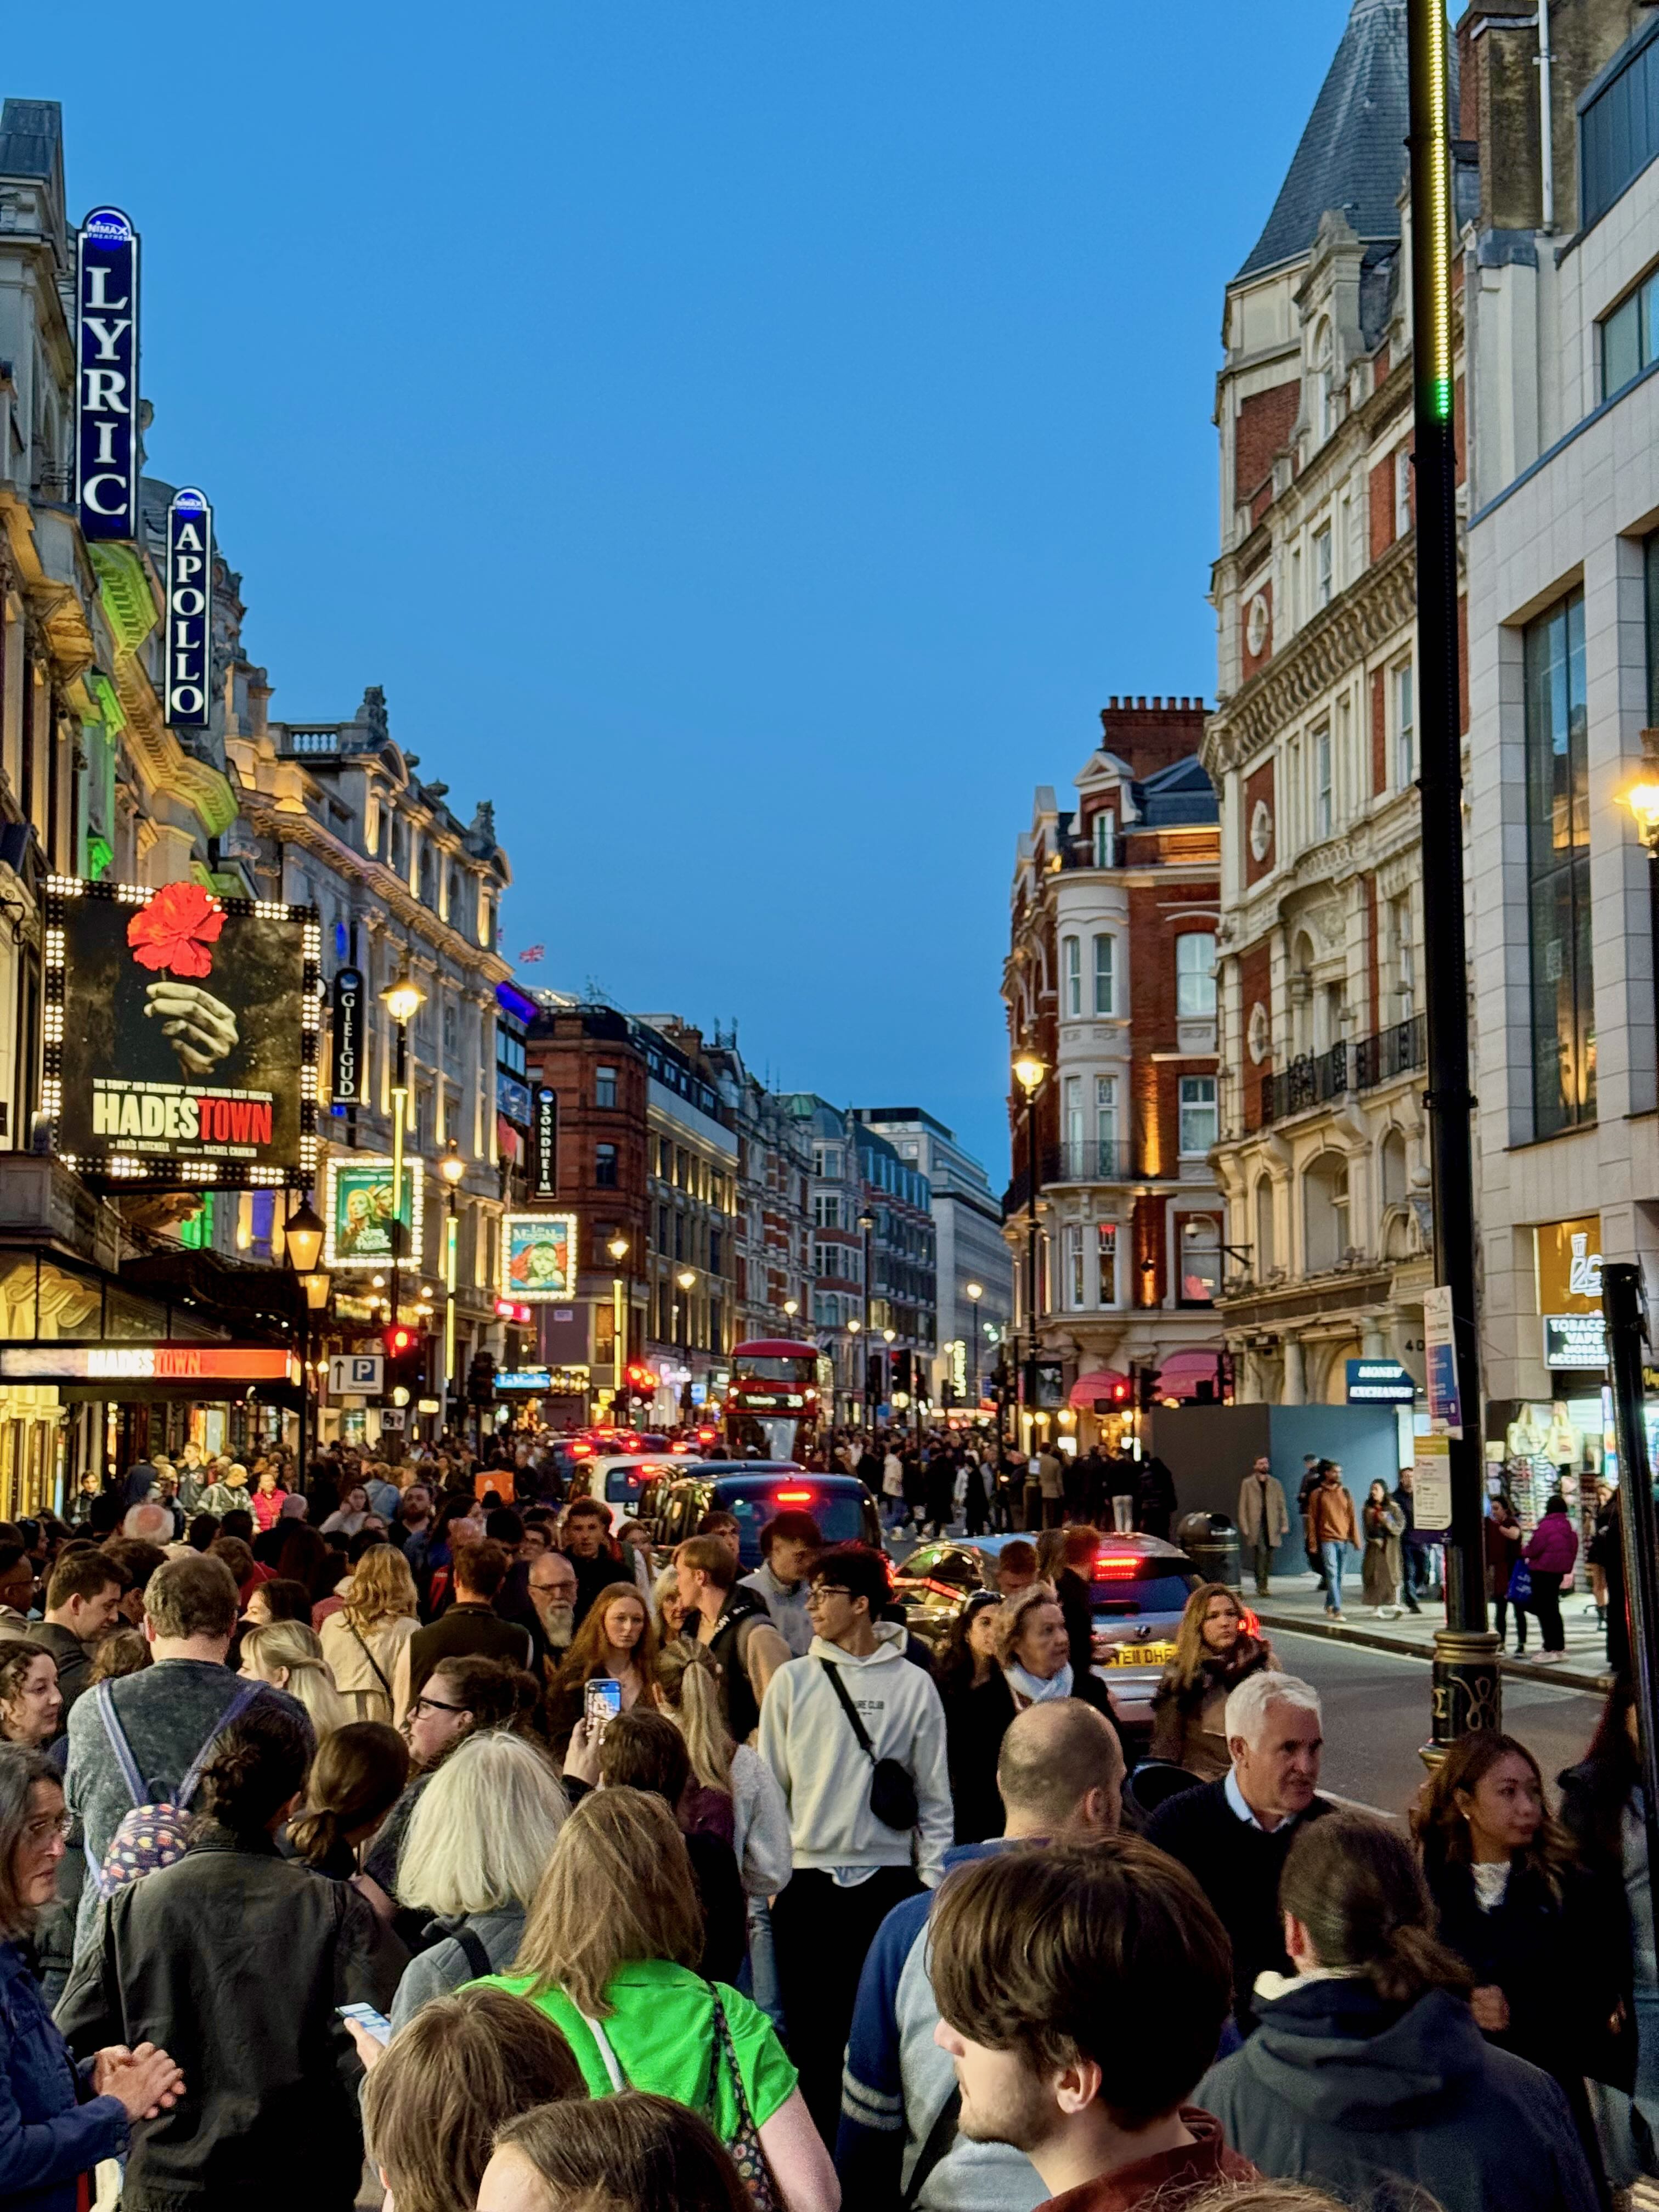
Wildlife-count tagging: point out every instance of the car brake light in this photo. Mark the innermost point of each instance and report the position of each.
(1249, 1622)
(1115, 1566)
(794, 1496)
(581, 1451)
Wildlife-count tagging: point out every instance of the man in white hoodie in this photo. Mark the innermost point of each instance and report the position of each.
(851, 1867)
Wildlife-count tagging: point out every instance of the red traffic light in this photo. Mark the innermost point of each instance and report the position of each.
(402, 1342)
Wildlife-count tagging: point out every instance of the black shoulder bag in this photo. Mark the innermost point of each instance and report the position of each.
(892, 1791)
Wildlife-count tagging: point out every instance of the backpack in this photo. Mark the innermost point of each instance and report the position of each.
(157, 1832)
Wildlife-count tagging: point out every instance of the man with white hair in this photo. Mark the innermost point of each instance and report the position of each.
(1235, 1835)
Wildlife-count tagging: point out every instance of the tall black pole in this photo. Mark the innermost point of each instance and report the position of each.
(1030, 1256)
(1625, 1307)
(1467, 1682)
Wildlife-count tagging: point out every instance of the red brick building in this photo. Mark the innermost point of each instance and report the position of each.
(1110, 981)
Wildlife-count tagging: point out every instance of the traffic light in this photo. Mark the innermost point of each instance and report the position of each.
(902, 1370)
(1146, 1388)
(406, 1363)
(872, 1385)
(481, 1380)
(638, 1382)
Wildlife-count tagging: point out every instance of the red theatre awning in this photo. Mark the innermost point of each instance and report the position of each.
(1106, 1385)
(1182, 1371)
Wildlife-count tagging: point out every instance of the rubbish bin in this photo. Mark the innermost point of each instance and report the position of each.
(1211, 1542)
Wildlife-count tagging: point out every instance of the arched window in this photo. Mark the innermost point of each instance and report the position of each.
(1324, 1212)
(1393, 1164)
(1072, 950)
(1105, 980)
(1201, 1260)
(1195, 975)
(1265, 1262)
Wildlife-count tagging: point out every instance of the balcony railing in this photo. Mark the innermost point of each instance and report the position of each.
(1391, 1052)
(1106, 1160)
(313, 738)
(1312, 1081)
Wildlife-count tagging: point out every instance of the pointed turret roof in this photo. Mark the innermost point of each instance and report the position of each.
(1353, 154)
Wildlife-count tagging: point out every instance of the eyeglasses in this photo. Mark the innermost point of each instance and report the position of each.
(821, 1590)
(37, 1832)
(434, 1705)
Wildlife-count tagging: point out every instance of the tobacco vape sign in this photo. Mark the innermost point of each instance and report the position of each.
(189, 577)
(106, 393)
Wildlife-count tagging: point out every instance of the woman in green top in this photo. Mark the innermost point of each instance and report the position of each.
(609, 1954)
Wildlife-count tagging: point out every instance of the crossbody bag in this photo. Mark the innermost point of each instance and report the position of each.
(892, 1789)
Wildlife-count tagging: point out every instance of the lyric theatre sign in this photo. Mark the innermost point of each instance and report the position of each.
(107, 381)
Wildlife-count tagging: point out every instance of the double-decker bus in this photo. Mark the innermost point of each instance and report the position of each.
(774, 1400)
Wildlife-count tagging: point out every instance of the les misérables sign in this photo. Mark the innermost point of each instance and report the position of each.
(180, 1045)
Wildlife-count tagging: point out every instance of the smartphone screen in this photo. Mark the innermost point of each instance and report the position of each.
(602, 1703)
(375, 2023)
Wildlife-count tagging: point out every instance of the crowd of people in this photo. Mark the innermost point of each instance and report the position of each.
(425, 1829)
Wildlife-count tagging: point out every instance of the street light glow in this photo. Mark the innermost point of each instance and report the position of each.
(1029, 1072)
(1643, 801)
(403, 999)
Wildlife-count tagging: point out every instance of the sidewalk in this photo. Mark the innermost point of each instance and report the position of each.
(1296, 1602)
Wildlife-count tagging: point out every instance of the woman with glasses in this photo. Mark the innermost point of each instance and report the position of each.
(57, 2120)
(235, 1959)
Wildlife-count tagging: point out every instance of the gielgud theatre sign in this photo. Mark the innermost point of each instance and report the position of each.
(180, 1035)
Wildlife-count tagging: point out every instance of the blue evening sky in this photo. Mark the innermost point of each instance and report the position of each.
(748, 442)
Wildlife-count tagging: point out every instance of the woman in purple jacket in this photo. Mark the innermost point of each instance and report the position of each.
(1550, 1554)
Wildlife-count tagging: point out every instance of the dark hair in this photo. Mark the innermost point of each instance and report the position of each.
(303, 1556)
(1356, 1887)
(646, 2153)
(458, 2069)
(643, 1750)
(81, 1572)
(954, 1670)
(357, 1776)
(496, 1693)
(794, 1525)
(1438, 1823)
(364, 1540)
(858, 1569)
(134, 1560)
(258, 1764)
(1555, 1503)
(481, 1567)
(286, 1601)
(717, 1517)
(1019, 1555)
(238, 1522)
(591, 1507)
(200, 1532)
(237, 1555)
(503, 1526)
(20, 1768)
(1046, 1952)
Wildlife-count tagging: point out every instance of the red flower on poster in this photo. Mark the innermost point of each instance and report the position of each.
(174, 930)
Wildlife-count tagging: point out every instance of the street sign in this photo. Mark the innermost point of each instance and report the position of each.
(1446, 1403)
(1575, 1339)
(391, 1417)
(1379, 1383)
(356, 1374)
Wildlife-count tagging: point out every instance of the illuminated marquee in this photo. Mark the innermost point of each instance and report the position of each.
(106, 383)
(240, 1364)
(189, 630)
(180, 1035)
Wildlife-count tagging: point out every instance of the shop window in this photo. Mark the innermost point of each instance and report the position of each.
(1557, 866)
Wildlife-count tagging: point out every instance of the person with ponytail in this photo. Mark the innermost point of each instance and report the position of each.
(235, 1959)
(735, 1795)
(288, 1653)
(1367, 2070)
(357, 1776)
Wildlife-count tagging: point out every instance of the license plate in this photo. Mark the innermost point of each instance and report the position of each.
(1137, 1655)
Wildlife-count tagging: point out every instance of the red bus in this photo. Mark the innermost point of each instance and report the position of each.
(775, 1380)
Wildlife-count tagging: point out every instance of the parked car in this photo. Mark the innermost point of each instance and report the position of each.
(1138, 1590)
(627, 1479)
(752, 1490)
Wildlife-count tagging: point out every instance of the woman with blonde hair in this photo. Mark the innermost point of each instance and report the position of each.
(363, 1640)
(686, 1686)
(609, 1954)
(475, 1849)
(1213, 1654)
(1034, 1650)
(290, 1655)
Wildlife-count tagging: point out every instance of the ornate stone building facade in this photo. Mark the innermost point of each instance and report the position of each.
(1312, 747)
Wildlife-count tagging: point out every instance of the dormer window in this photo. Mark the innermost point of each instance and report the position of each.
(1105, 840)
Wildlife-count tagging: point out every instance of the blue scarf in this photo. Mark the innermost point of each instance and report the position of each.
(1033, 1688)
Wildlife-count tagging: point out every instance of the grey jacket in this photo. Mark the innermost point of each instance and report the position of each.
(1338, 2090)
(445, 1967)
(168, 1712)
(787, 1606)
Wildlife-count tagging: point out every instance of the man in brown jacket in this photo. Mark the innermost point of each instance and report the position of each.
(1332, 1528)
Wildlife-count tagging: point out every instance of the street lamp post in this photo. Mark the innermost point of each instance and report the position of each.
(853, 1325)
(618, 1248)
(1467, 1684)
(451, 1168)
(1030, 1072)
(303, 1243)
(403, 999)
(867, 1223)
(976, 1292)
